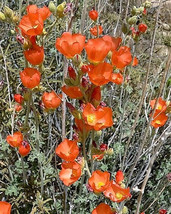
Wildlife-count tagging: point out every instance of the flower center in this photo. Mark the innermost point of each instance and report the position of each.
(158, 121)
(91, 119)
(119, 195)
(100, 184)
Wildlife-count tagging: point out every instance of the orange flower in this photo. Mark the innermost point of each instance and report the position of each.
(44, 12)
(159, 119)
(94, 32)
(116, 193)
(93, 14)
(30, 77)
(99, 118)
(18, 98)
(70, 45)
(51, 100)
(135, 61)
(73, 92)
(161, 105)
(99, 181)
(5, 207)
(70, 172)
(18, 107)
(103, 209)
(100, 74)
(24, 148)
(142, 27)
(34, 55)
(122, 57)
(114, 41)
(67, 150)
(31, 24)
(97, 49)
(15, 139)
(119, 177)
(117, 78)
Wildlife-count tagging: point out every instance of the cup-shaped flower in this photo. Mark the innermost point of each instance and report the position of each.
(70, 173)
(113, 41)
(24, 149)
(159, 119)
(119, 177)
(15, 140)
(122, 57)
(34, 55)
(93, 14)
(5, 207)
(68, 150)
(101, 74)
(161, 104)
(99, 181)
(73, 92)
(18, 98)
(70, 45)
(116, 193)
(97, 49)
(30, 77)
(31, 24)
(142, 27)
(117, 78)
(51, 100)
(96, 30)
(99, 118)
(103, 209)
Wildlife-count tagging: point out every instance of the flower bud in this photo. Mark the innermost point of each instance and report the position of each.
(77, 59)
(8, 12)
(71, 72)
(132, 20)
(60, 9)
(125, 28)
(124, 210)
(2, 16)
(109, 152)
(52, 7)
(12, 32)
(147, 4)
(15, 19)
(134, 11)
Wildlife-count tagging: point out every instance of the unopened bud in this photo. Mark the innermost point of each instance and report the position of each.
(8, 12)
(132, 20)
(12, 32)
(124, 210)
(109, 152)
(60, 9)
(147, 4)
(125, 28)
(15, 19)
(134, 10)
(140, 9)
(77, 59)
(52, 7)
(2, 16)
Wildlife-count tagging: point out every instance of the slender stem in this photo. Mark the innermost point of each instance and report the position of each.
(24, 172)
(84, 153)
(38, 146)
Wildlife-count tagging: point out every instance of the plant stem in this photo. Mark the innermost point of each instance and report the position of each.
(24, 172)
